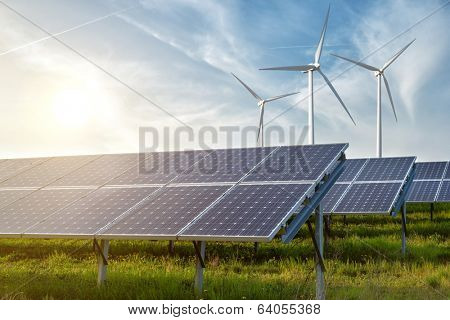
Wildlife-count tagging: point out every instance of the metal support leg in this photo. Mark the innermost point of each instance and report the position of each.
(431, 211)
(102, 260)
(404, 229)
(171, 247)
(200, 248)
(320, 279)
(345, 220)
(256, 247)
(327, 233)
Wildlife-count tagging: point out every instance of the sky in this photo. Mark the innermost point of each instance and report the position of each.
(179, 54)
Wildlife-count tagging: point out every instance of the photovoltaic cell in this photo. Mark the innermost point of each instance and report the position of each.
(447, 173)
(168, 213)
(386, 169)
(9, 196)
(159, 168)
(24, 213)
(351, 169)
(12, 167)
(249, 211)
(297, 163)
(46, 172)
(369, 198)
(332, 197)
(99, 171)
(226, 165)
(429, 170)
(423, 191)
(444, 192)
(91, 213)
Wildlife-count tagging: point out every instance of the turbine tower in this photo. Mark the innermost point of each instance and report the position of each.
(379, 73)
(310, 68)
(261, 103)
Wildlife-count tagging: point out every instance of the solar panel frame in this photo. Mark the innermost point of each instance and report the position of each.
(430, 170)
(443, 194)
(417, 193)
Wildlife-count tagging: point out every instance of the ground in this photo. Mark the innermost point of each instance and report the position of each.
(363, 261)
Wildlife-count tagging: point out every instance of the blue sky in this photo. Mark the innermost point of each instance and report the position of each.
(180, 54)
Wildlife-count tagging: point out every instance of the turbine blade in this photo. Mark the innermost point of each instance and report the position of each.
(247, 87)
(390, 96)
(291, 68)
(336, 94)
(366, 66)
(387, 64)
(280, 97)
(322, 38)
(261, 119)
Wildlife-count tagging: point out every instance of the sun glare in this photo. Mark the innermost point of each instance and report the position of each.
(72, 108)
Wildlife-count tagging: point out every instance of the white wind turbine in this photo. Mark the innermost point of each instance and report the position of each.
(310, 68)
(261, 103)
(379, 73)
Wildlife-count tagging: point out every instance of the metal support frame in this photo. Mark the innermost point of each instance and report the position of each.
(404, 233)
(200, 249)
(171, 247)
(256, 247)
(431, 211)
(319, 253)
(312, 203)
(101, 250)
(318, 243)
(327, 234)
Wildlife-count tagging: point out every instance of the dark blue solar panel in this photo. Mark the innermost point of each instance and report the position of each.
(423, 191)
(447, 173)
(160, 168)
(332, 197)
(429, 170)
(92, 212)
(224, 165)
(24, 213)
(297, 163)
(444, 192)
(249, 211)
(369, 198)
(167, 213)
(386, 169)
(351, 169)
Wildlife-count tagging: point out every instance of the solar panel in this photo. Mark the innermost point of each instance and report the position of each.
(369, 198)
(12, 167)
(381, 178)
(333, 195)
(386, 169)
(159, 168)
(226, 165)
(429, 170)
(444, 192)
(249, 211)
(447, 172)
(351, 169)
(24, 213)
(92, 212)
(9, 196)
(46, 172)
(423, 191)
(99, 171)
(166, 214)
(298, 163)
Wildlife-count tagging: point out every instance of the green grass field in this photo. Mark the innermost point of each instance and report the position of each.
(363, 261)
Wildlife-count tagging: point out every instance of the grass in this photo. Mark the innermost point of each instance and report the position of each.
(363, 261)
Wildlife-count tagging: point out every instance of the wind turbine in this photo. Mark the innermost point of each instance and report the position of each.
(261, 103)
(310, 68)
(379, 73)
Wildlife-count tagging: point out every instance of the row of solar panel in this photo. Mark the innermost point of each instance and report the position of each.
(255, 210)
(215, 166)
(431, 182)
(368, 186)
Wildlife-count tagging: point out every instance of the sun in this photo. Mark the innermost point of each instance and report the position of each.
(72, 108)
